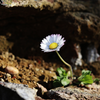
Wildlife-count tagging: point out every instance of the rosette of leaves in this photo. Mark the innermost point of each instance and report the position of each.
(85, 78)
(62, 79)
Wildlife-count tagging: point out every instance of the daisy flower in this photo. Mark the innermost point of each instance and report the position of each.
(52, 43)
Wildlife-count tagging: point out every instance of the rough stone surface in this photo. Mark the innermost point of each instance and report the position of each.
(25, 27)
(14, 91)
(93, 6)
(75, 93)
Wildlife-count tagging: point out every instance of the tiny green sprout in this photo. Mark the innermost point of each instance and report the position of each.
(85, 78)
(62, 79)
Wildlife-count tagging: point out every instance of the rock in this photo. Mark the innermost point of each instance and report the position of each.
(11, 70)
(78, 59)
(7, 55)
(94, 67)
(93, 6)
(92, 54)
(14, 91)
(42, 88)
(4, 44)
(75, 93)
(92, 87)
(73, 20)
(34, 3)
(1, 79)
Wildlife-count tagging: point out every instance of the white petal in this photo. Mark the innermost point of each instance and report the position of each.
(47, 50)
(61, 42)
(54, 37)
(58, 49)
(58, 38)
(51, 39)
(45, 41)
(43, 46)
(48, 39)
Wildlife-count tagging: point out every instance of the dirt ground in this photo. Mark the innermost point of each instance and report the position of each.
(37, 70)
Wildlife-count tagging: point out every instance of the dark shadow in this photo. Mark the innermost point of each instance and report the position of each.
(25, 27)
(8, 94)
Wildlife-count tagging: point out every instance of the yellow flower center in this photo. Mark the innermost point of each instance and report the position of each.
(53, 45)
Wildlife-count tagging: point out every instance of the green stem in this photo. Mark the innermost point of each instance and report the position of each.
(66, 64)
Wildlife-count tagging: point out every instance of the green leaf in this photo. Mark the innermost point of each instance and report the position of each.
(65, 74)
(58, 78)
(65, 81)
(85, 78)
(62, 79)
(60, 71)
(86, 72)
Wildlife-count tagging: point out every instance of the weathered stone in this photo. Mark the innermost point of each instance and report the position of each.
(67, 17)
(14, 91)
(92, 6)
(4, 44)
(75, 93)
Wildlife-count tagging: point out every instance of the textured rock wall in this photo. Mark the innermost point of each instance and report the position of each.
(25, 27)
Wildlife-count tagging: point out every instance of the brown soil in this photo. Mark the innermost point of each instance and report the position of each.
(30, 71)
(37, 70)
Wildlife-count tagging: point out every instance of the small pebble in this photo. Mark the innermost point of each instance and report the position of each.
(42, 87)
(11, 70)
(51, 68)
(1, 79)
(8, 75)
(30, 66)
